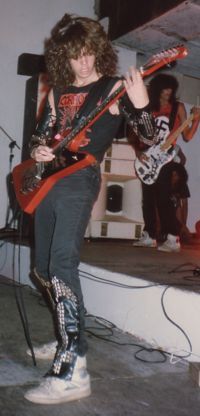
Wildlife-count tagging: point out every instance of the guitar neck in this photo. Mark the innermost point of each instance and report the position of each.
(172, 137)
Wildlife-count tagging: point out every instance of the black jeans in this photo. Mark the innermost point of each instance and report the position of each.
(60, 223)
(157, 203)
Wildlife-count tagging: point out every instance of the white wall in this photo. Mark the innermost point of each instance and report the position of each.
(24, 24)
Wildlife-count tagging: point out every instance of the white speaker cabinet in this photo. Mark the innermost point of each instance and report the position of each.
(111, 217)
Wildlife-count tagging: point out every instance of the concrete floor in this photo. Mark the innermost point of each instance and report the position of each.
(121, 384)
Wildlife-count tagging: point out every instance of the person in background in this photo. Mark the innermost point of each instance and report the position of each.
(81, 65)
(157, 204)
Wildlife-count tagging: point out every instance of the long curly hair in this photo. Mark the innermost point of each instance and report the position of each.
(157, 84)
(68, 38)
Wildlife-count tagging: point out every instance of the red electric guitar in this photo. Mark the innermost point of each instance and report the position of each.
(43, 175)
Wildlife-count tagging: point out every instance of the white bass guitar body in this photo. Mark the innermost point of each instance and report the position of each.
(149, 170)
(158, 155)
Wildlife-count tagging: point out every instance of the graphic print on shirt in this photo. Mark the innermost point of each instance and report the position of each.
(68, 106)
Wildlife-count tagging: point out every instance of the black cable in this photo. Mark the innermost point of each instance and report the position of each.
(98, 279)
(92, 277)
(162, 352)
(151, 350)
(106, 337)
(176, 325)
(178, 268)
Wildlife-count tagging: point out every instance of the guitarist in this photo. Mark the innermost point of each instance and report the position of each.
(78, 56)
(157, 203)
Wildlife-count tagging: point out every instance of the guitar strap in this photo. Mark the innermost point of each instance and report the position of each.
(173, 115)
(104, 84)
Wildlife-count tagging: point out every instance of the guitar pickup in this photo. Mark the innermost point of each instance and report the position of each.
(141, 170)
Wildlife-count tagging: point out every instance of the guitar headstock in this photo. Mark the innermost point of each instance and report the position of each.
(163, 58)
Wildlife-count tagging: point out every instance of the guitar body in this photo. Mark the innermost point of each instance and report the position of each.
(29, 200)
(149, 170)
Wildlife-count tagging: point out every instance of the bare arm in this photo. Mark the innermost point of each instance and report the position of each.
(190, 130)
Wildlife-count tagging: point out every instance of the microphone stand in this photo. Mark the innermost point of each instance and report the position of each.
(12, 145)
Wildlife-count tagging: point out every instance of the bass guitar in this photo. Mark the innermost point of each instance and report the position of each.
(43, 175)
(158, 155)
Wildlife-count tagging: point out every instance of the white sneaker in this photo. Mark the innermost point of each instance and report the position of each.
(145, 241)
(172, 244)
(54, 390)
(45, 351)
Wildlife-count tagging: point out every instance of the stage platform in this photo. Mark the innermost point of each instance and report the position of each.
(119, 256)
(149, 294)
